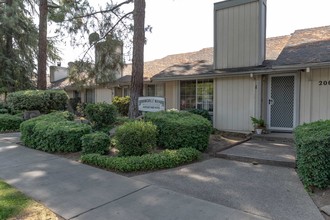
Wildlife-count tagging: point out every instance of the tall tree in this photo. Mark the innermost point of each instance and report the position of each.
(42, 45)
(138, 57)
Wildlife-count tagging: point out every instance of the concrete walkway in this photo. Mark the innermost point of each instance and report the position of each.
(271, 152)
(77, 191)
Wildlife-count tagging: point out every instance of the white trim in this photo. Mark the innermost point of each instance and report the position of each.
(295, 104)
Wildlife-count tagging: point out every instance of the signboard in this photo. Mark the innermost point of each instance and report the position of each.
(151, 104)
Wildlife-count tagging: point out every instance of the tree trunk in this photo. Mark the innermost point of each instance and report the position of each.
(42, 54)
(9, 34)
(138, 57)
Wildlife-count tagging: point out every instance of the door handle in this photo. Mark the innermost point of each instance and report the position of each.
(271, 101)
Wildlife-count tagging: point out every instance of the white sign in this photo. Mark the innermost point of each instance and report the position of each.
(151, 104)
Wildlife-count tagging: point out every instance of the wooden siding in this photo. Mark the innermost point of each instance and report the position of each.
(235, 103)
(315, 98)
(103, 95)
(238, 33)
(172, 95)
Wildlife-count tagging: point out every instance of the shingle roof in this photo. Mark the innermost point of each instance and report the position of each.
(306, 46)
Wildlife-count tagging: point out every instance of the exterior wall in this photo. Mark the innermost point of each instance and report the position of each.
(70, 93)
(315, 95)
(240, 33)
(103, 95)
(172, 95)
(236, 100)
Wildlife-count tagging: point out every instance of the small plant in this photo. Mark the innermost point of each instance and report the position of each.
(258, 123)
(122, 104)
(97, 143)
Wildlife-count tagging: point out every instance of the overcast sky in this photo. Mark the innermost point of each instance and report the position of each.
(180, 26)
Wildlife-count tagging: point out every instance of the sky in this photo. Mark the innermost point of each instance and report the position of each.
(180, 26)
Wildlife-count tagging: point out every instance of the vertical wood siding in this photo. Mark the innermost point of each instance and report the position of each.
(235, 103)
(237, 32)
(315, 98)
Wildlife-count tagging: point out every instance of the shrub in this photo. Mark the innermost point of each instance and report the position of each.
(73, 102)
(41, 100)
(97, 143)
(162, 160)
(4, 111)
(122, 104)
(53, 133)
(101, 114)
(10, 122)
(313, 152)
(181, 129)
(136, 138)
(202, 112)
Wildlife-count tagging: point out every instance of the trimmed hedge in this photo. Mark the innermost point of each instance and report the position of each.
(162, 160)
(313, 153)
(181, 129)
(101, 114)
(97, 143)
(10, 122)
(136, 138)
(53, 133)
(122, 104)
(202, 112)
(42, 100)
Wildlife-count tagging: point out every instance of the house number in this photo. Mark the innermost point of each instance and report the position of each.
(324, 83)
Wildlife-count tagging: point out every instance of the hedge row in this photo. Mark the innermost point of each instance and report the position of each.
(313, 153)
(42, 100)
(181, 129)
(10, 122)
(165, 159)
(53, 133)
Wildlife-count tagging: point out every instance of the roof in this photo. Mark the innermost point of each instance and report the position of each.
(306, 46)
(302, 47)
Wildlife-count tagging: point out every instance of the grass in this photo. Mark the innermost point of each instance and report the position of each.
(12, 202)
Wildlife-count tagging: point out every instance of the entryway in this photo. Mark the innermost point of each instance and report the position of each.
(282, 102)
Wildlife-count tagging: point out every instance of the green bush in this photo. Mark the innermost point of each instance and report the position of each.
(4, 111)
(97, 143)
(202, 112)
(53, 133)
(162, 160)
(42, 100)
(313, 153)
(101, 114)
(136, 138)
(10, 122)
(122, 104)
(181, 129)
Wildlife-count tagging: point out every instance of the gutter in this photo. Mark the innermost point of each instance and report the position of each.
(273, 69)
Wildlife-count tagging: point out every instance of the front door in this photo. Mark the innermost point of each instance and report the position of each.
(281, 102)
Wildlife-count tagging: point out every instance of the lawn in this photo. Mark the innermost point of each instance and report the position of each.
(16, 205)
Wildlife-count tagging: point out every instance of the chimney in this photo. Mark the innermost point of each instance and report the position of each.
(239, 33)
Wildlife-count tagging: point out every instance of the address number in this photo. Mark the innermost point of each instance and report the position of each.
(324, 83)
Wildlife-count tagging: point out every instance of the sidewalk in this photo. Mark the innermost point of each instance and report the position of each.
(77, 191)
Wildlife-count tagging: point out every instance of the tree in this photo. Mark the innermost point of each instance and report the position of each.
(42, 45)
(138, 57)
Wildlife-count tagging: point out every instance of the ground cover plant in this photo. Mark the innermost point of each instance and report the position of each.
(155, 161)
(313, 153)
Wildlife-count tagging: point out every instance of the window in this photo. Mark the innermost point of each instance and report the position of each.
(126, 91)
(154, 90)
(90, 96)
(196, 94)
